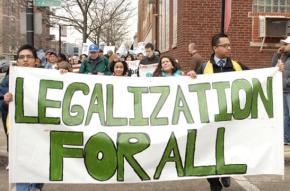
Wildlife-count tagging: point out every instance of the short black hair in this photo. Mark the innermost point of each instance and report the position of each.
(215, 40)
(27, 47)
(53, 53)
(130, 55)
(149, 45)
(63, 57)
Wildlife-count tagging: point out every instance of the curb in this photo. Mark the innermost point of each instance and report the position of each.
(287, 152)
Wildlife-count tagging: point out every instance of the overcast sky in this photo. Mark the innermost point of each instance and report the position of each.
(75, 37)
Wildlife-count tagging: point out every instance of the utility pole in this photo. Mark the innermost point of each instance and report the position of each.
(223, 16)
(30, 23)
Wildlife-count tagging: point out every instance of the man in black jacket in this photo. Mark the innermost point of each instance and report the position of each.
(220, 62)
(150, 57)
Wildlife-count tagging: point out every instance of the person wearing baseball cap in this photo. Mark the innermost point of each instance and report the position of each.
(95, 64)
(282, 56)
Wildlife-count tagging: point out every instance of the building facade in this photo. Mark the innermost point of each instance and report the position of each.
(256, 28)
(11, 37)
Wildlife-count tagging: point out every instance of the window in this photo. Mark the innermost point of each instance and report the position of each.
(164, 30)
(174, 28)
(279, 6)
(167, 25)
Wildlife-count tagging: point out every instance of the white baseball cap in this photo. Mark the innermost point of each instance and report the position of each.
(286, 41)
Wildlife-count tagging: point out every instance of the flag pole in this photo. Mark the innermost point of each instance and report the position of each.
(223, 17)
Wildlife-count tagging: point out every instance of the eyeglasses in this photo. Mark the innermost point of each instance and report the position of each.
(28, 57)
(224, 45)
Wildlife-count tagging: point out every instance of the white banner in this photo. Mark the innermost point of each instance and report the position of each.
(75, 128)
(85, 48)
(147, 70)
(133, 67)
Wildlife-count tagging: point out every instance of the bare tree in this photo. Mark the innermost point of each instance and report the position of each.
(114, 32)
(89, 17)
(108, 16)
(75, 13)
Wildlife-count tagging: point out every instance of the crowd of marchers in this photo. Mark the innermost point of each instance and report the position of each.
(109, 63)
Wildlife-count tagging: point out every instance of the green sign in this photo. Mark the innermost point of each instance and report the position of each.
(47, 3)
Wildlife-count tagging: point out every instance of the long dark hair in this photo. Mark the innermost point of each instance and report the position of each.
(158, 71)
(125, 65)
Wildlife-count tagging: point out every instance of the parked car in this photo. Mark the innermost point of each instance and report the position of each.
(4, 65)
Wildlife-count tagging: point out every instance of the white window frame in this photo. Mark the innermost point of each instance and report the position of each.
(264, 5)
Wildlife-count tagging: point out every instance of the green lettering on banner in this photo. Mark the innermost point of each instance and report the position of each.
(267, 102)
(100, 157)
(44, 103)
(178, 108)
(58, 151)
(96, 108)
(19, 104)
(222, 168)
(164, 91)
(172, 147)
(111, 120)
(237, 86)
(138, 119)
(190, 169)
(201, 95)
(222, 101)
(130, 144)
(68, 119)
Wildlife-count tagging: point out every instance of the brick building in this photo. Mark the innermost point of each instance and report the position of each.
(10, 34)
(255, 30)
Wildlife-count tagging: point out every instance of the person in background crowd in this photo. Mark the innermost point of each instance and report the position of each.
(101, 52)
(64, 65)
(61, 57)
(167, 66)
(150, 57)
(47, 54)
(157, 52)
(122, 57)
(4, 86)
(70, 60)
(119, 68)
(196, 58)
(282, 56)
(41, 56)
(26, 57)
(75, 64)
(82, 58)
(95, 64)
(129, 57)
(140, 56)
(109, 53)
(112, 56)
(51, 61)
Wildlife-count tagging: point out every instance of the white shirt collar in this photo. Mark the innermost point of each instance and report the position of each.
(217, 59)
